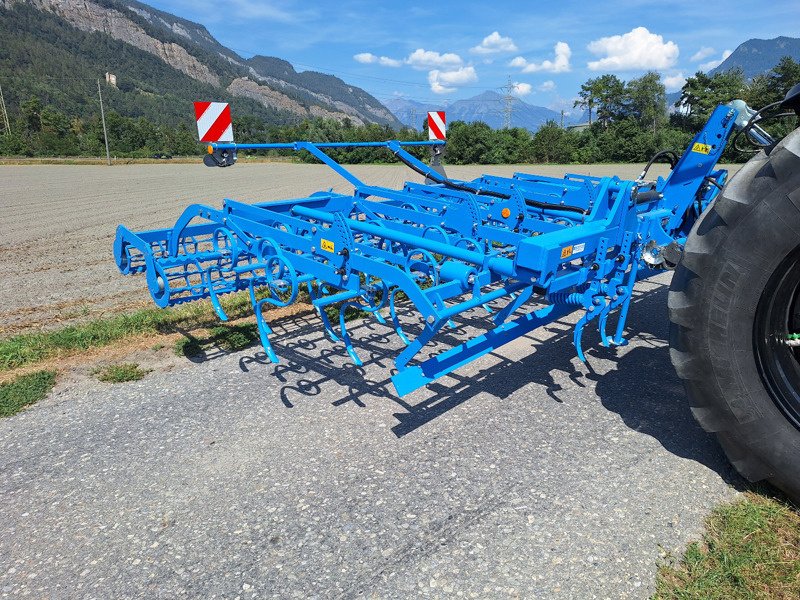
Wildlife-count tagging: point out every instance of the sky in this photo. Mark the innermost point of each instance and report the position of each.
(442, 50)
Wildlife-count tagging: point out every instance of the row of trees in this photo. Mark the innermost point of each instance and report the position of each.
(628, 122)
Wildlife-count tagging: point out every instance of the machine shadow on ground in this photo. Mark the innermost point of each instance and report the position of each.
(637, 382)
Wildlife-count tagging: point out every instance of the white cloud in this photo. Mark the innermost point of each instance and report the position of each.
(365, 58)
(635, 50)
(712, 64)
(674, 82)
(428, 59)
(521, 89)
(390, 62)
(560, 64)
(547, 86)
(269, 11)
(444, 82)
(493, 43)
(369, 58)
(704, 52)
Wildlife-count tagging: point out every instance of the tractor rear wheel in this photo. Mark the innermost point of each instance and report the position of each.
(734, 304)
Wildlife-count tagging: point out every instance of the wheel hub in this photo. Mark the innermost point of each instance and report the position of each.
(777, 320)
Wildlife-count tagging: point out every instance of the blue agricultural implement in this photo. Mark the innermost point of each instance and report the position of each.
(527, 250)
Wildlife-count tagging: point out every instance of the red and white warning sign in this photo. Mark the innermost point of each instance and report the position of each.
(437, 126)
(213, 121)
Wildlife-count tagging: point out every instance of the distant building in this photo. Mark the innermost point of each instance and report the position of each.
(111, 79)
(579, 126)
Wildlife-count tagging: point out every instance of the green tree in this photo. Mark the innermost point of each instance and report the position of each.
(588, 96)
(647, 100)
(702, 93)
(611, 96)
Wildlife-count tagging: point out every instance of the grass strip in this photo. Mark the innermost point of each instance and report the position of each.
(751, 549)
(28, 348)
(25, 390)
(120, 373)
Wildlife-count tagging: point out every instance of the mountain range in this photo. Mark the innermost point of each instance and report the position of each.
(489, 107)
(55, 49)
(757, 56)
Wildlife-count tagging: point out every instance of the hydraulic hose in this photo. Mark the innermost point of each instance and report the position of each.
(454, 185)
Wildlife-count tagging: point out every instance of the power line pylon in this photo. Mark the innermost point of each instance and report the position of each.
(4, 122)
(508, 106)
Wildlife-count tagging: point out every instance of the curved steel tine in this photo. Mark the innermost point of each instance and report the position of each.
(602, 322)
(578, 335)
(375, 309)
(215, 303)
(393, 314)
(348, 343)
(323, 316)
(264, 330)
(327, 324)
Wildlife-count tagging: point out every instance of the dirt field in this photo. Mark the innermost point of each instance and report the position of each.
(57, 223)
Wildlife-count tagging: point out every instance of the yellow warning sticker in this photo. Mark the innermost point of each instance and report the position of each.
(327, 245)
(701, 148)
(566, 252)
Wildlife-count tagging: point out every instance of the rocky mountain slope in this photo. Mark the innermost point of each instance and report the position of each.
(756, 56)
(124, 36)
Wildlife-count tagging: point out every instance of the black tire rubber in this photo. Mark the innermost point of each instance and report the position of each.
(730, 256)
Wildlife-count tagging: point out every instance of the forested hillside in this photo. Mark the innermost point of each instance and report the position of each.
(55, 50)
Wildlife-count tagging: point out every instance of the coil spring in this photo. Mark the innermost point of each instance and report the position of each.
(569, 298)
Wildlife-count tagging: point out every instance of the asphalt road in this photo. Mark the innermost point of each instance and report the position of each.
(524, 475)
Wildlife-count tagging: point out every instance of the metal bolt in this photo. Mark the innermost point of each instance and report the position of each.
(431, 319)
(313, 248)
(314, 229)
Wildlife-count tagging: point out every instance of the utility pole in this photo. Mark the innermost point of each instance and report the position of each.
(562, 118)
(508, 107)
(103, 118)
(4, 114)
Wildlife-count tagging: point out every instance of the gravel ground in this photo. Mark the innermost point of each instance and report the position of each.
(57, 222)
(524, 475)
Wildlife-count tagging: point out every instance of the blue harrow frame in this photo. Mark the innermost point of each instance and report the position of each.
(526, 249)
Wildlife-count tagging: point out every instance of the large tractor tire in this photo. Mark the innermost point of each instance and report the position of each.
(734, 303)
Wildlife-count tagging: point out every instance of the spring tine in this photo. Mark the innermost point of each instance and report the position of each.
(322, 315)
(264, 330)
(577, 336)
(215, 303)
(601, 327)
(393, 313)
(348, 343)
